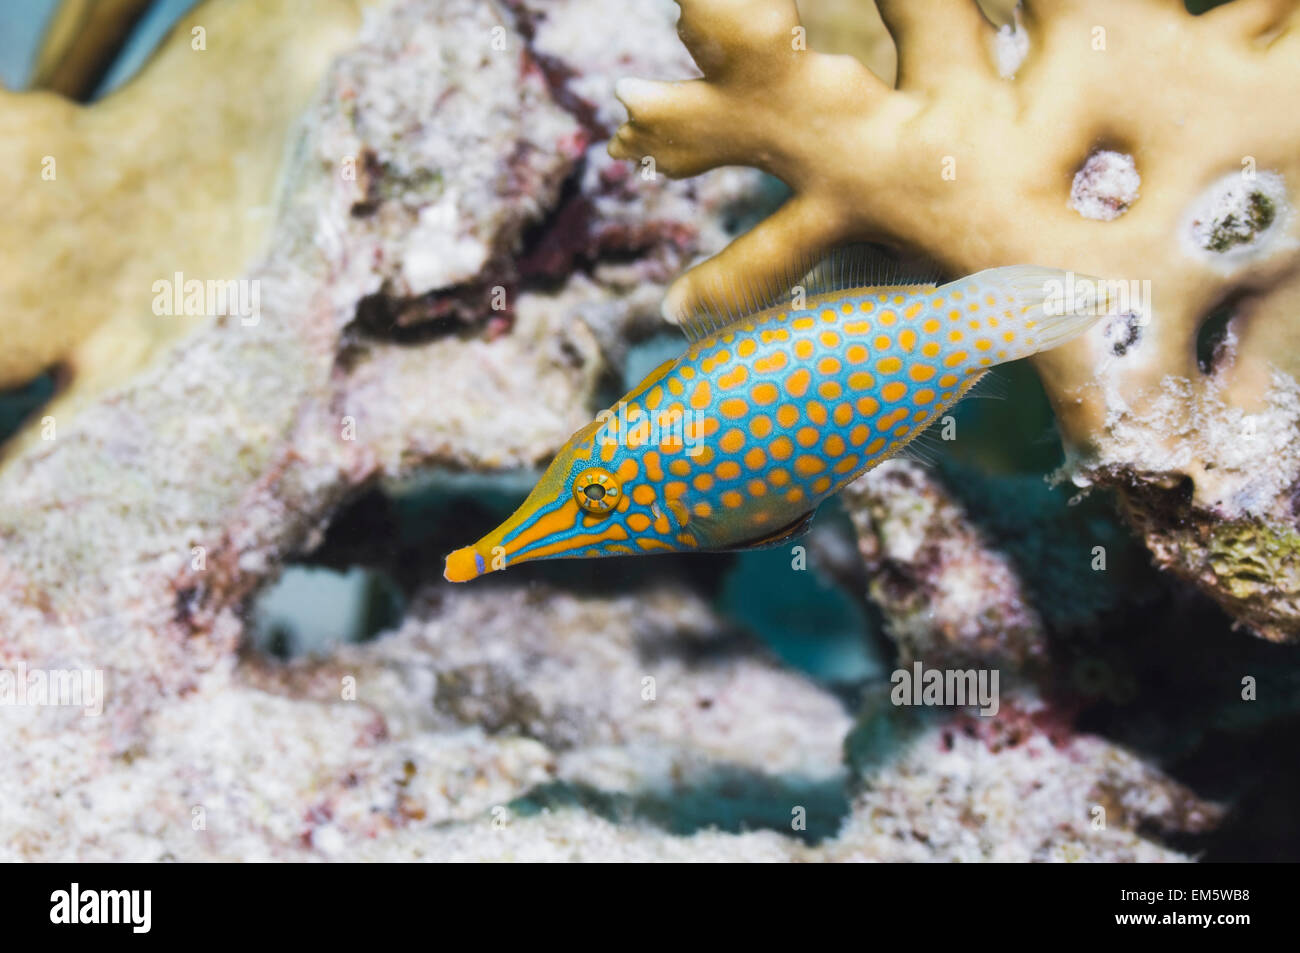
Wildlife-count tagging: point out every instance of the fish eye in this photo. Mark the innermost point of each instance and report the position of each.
(596, 490)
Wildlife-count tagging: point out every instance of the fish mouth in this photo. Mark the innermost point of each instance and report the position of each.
(465, 564)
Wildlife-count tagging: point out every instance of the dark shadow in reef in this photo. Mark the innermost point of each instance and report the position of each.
(19, 403)
(1258, 767)
(809, 625)
(409, 536)
(1181, 703)
(729, 799)
(1144, 659)
(1150, 663)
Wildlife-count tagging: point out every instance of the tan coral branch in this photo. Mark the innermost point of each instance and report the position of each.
(1133, 141)
(80, 43)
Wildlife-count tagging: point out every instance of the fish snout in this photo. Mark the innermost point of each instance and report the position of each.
(465, 564)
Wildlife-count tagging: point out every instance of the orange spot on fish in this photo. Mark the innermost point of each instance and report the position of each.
(921, 372)
(806, 465)
(653, 467)
(796, 384)
(733, 408)
(733, 378)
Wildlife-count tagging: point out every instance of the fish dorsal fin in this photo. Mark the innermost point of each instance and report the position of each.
(729, 302)
(773, 539)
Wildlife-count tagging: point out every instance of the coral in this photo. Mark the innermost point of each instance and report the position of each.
(561, 755)
(853, 28)
(81, 41)
(1087, 110)
(509, 722)
(947, 595)
(1252, 564)
(286, 416)
(197, 137)
(1009, 789)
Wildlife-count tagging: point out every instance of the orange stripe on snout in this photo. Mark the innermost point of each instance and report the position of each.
(557, 521)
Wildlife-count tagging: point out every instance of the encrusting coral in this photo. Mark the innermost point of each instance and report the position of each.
(946, 594)
(1059, 141)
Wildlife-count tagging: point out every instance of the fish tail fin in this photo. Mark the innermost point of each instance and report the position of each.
(1025, 309)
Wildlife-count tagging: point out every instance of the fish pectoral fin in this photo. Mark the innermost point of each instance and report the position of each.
(773, 539)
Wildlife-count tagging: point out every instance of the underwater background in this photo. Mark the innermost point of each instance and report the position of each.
(1122, 686)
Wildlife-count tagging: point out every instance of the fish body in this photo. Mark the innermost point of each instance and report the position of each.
(735, 444)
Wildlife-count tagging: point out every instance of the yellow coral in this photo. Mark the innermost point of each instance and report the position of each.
(175, 172)
(865, 161)
(1123, 138)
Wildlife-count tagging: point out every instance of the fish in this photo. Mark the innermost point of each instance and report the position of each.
(775, 407)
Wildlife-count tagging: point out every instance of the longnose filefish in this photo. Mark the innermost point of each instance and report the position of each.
(735, 444)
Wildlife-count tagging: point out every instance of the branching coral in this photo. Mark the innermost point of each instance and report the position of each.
(80, 42)
(975, 165)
